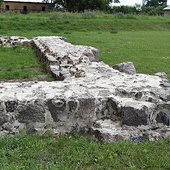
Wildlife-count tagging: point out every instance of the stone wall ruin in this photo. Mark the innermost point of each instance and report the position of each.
(87, 96)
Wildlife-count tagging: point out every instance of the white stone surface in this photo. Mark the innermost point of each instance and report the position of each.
(75, 103)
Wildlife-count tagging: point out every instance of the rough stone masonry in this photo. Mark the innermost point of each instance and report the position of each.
(87, 95)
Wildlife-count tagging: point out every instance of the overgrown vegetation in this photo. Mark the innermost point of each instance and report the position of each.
(81, 6)
(148, 7)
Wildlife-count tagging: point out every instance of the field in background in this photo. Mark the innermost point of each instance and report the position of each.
(141, 39)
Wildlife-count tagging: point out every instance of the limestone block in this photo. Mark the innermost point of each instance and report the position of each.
(86, 108)
(163, 113)
(135, 113)
(31, 112)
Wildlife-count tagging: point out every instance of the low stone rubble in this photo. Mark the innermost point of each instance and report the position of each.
(63, 59)
(91, 96)
(14, 41)
(107, 130)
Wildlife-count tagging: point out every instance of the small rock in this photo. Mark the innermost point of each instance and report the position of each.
(162, 75)
(165, 84)
(137, 138)
(126, 67)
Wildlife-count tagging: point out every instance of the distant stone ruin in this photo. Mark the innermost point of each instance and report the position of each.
(88, 96)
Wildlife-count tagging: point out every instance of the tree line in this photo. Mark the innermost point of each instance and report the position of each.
(150, 7)
(82, 5)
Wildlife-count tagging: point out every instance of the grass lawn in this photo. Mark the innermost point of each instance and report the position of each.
(77, 152)
(20, 63)
(148, 50)
(142, 40)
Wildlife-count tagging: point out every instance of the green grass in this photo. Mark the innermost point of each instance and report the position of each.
(77, 22)
(77, 152)
(20, 63)
(143, 40)
(148, 50)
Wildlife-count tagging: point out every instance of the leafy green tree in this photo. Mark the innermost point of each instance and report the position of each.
(154, 3)
(1, 2)
(153, 7)
(78, 6)
(123, 10)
